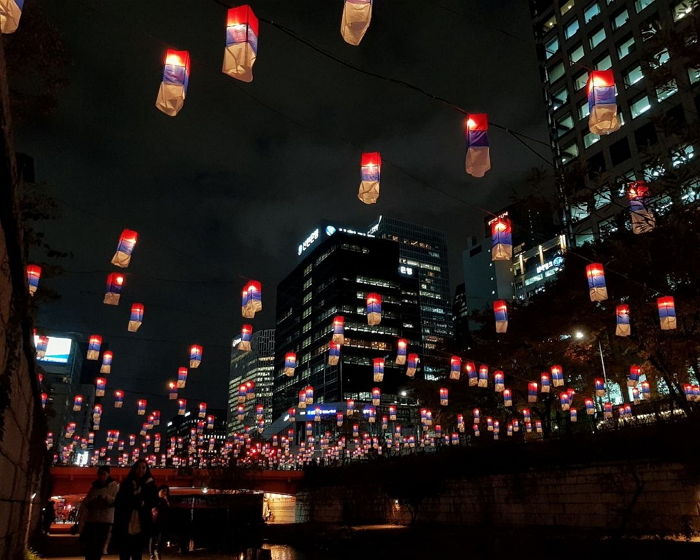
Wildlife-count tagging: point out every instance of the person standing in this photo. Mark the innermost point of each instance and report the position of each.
(161, 517)
(49, 516)
(132, 519)
(96, 514)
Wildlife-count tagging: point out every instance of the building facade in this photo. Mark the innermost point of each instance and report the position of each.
(657, 97)
(256, 366)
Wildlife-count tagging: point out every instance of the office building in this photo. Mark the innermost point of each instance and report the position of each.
(256, 366)
(630, 38)
(191, 431)
(338, 267)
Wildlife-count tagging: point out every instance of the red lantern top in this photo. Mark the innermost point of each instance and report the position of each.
(477, 121)
(500, 225)
(177, 58)
(242, 15)
(373, 159)
(600, 78)
(665, 302)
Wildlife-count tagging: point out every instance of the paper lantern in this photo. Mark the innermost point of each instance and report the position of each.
(475, 427)
(302, 398)
(251, 302)
(44, 399)
(401, 351)
(241, 43)
(173, 88)
(455, 367)
(596, 282)
(378, 369)
(202, 410)
(172, 390)
(100, 385)
(545, 382)
(557, 375)
(507, 397)
(339, 419)
(526, 415)
(355, 430)
(290, 363)
(246, 337)
(478, 160)
(113, 290)
(602, 105)
(565, 400)
(42, 343)
(376, 396)
(106, 366)
(371, 414)
(483, 381)
(333, 353)
(357, 15)
(501, 239)
(240, 412)
(643, 220)
(195, 356)
(181, 407)
(590, 406)
(500, 313)
(538, 426)
(573, 415)
(633, 378)
(350, 407)
(33, 270)
(118, 398)
(392, 413)
(127, 240)
(509, 429)
(374, 309)
(370, 170)
(470, 369)
(77, 403)
(412, 365)
(141, 405)
(499, 380)
(599, 387)
(181, 377)
(10, 14)
(339, 329)
(136, 317)
(496, 429)
(309, 392)
(667, 312)
(622, 316)
(636, 395)
(607, 410)
(532, 392)
(444, 396)
(646, 390)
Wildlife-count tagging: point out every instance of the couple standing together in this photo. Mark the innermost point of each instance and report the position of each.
(132, 514)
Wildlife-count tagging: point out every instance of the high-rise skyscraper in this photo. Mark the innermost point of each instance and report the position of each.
(423, 252)
(256, 366)
(339, 267)
(631, 38)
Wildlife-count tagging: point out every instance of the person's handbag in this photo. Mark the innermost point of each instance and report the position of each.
(134, 527)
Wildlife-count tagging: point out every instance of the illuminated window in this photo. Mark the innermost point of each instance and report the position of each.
(660, 58)
(589, 139)
(633, 75)
(308, 283)
(579, 211)
(597, 37)
(569, 153)
(580, 81)
(549, 24)
(604, 63)
(571, 29)
(566, 7)
(625, 47)
(564, 125)
(601, 198)
(590, 12)
(559, 98)
(666, 90)
(307, 298)
(694, 75)
(640, 106)
(555, 72)
(682, 9)
(620, 19)
(639, 5)
(682, 155)
(551, 47)
(576, 54)
(583, 109)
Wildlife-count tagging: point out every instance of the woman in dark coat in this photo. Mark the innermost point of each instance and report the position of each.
(137, 495)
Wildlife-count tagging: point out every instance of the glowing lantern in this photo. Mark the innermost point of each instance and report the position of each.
(392, 413)
(355, 430)
(246, 337)
(545, 382)
(339, 419)
(241, 43)
(636, 395)
(376, 396)
(292, 413)
(333, 353)
(507, 397)
(371, 414)
(132, 440)
(565, 400)
(385, 422)
(501, 240)
(195, 356)
(599, 387)
(77, 403)
(339, 329)
(509, 429)
(401, 349)
(496, 429)
(633, 378)
(10, 13)
(173, 88)
(370, 170)
(489, 424)
(115, 282)
(202, 410)
(470, 370)
(475, 427)
(94, 344)
(412, 365)
(499, 380)
(100, 386)
(590, 406)
(478, 160)
(526, 415)
(141, 405)
(355, 21)
(44, 399)
(538, 426)
(118, 398)
(33, 271)
(500, 313)
(532, 392)
(622, 314)
(643, 220)
(172, 390)
(106, 366)
(290, 363)
(309, 392)
(374, 309)
(573, 415)
(240, 412)
(378, 369)
(181, 407)
(127, 240)
(607, 410)
(181, 377)
(350, 407)
(444, 396)
(667, 312)
(302, 398)
(42, 343)
(601, 102)
(557, 376)
(646, 390)
(483, 376)
(136, 317)
(251, 302)
(596, 282)
(455, 367)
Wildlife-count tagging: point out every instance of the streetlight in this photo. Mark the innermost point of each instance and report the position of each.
(579, 335)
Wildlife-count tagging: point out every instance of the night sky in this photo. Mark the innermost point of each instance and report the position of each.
(226, 190)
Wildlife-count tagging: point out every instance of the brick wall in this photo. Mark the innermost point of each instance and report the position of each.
(628, 498)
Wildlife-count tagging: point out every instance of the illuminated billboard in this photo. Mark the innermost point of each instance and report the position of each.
(58, 350)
